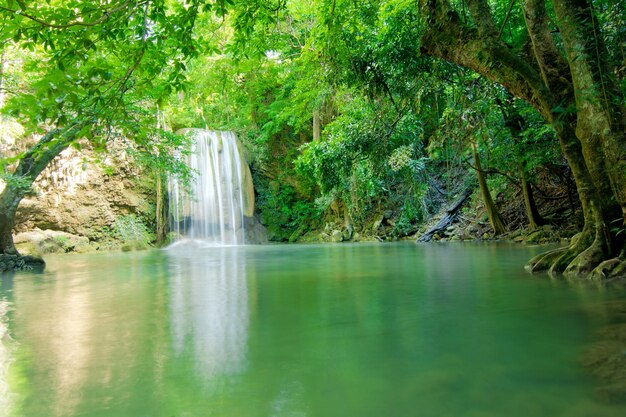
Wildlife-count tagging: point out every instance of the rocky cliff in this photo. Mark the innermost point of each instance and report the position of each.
(86, 201)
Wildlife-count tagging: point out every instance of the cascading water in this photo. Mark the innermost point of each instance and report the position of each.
(211, 208)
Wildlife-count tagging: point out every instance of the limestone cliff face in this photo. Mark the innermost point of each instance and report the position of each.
(89, 197)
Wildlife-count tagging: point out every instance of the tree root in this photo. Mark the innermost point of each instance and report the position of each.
(611, 269)
(586, 261)
(555, 261)
(585, 256)
(544, 261)
(564, 261)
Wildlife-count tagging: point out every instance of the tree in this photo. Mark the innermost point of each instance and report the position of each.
(99, 67)
(573, 89)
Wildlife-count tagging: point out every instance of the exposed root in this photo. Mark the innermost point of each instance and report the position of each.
(609, 270)
(562, 263)
(543, 261)
(579, 259)
(587, 260)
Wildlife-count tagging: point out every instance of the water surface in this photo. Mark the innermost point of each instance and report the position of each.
(316, 330)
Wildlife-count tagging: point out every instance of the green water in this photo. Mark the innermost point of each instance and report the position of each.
(336, 330)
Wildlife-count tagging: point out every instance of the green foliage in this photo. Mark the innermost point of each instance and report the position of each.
(391, 119)
(369, 154)
(15, 181)
(283, 211)
(133, 233)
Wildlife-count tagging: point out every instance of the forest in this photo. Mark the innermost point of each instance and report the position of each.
(322, 208)
(362, 120)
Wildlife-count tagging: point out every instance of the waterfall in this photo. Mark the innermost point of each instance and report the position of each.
(211, 208)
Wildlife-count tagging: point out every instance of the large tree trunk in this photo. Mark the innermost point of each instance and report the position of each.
(601, 117)
(28, 169)
(571, 92)
(8, 208)
(492, 211)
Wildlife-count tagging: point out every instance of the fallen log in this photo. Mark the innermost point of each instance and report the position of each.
(451, 214)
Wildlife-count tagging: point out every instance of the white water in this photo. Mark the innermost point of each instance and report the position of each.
(210, 210)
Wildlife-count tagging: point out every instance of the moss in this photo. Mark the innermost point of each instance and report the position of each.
(133, 233)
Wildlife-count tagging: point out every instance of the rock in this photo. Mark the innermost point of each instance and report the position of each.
(255, 232)
(336, 236)
(80, 195)
(9, 263)
(542, 234)
(347, 234)
(51, 241)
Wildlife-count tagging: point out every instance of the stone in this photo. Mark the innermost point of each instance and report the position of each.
(255, 232)
(9, 263)
(38, 242)
(336, 236)
(82, 196)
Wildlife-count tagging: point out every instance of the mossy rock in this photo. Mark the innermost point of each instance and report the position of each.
(9, 263)
(544, 234)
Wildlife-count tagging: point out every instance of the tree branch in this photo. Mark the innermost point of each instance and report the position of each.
(106, 15)
(506, 18)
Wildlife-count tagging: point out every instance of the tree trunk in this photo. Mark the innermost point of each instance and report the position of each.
(28, 169)
(601, 117)
(161, 209)
(534, 218)
(2, 65)
(451, 214)
(316, 126)
(573, 94)
(8, 208)
(492, 211)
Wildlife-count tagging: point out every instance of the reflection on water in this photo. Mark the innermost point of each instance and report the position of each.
(316, 331)
(209, 307)
(5, 360)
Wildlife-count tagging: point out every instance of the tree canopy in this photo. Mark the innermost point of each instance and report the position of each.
(346, 105)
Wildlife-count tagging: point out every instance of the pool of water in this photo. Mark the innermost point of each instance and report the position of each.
(301, 330)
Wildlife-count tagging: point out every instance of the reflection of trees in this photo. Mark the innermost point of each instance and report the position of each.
(5, 360)
(94, 326)
(209, 308)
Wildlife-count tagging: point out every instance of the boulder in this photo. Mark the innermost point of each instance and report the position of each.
(336, 236)
(38, 242)
(9, 263)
